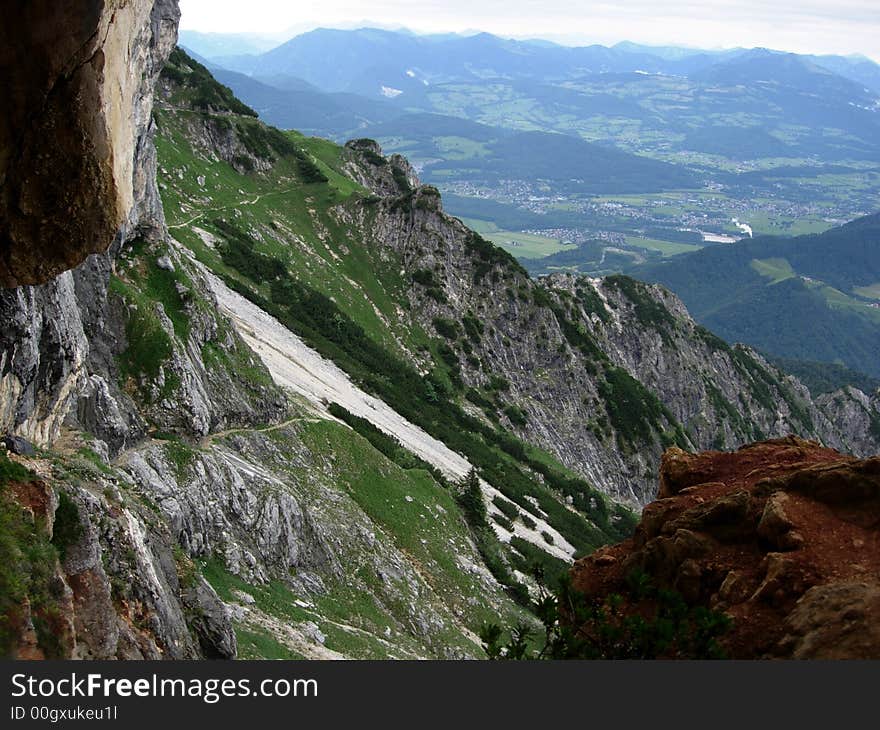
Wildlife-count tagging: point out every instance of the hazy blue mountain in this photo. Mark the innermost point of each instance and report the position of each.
(303, 107)
(211, 45)
(366, 59)
(855, 68)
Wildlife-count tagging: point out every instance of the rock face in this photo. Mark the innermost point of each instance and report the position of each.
(781, 536)
(602, 373)
(118, 591)
(364, 162)
(75, 155)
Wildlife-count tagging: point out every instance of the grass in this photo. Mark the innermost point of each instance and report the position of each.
(254, 644)
(422, 517)
(527, 245)
(666, 248)
(838, 300)
(868, 292)
(149, 345)
(288, 220)
(460, 148)
(28, 567)
(480, 226)
(775, 269)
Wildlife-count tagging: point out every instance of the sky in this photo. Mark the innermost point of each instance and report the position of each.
(803, 26)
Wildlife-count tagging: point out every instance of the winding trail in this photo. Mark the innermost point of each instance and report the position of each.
(207, 440)
(204, 211)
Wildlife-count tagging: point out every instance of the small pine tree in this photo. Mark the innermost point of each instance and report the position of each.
(471, 500)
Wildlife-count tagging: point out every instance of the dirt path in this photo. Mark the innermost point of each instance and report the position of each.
(200, 215)
(206, 442)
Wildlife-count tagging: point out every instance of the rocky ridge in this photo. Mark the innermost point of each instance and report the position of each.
(602, 373)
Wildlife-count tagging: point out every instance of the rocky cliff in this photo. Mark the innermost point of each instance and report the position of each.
(781, 536)
(602, 373)
(77, 168)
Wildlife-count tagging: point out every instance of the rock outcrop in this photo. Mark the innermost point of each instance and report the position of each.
(106, 595)
(782, 536)
(76, 160)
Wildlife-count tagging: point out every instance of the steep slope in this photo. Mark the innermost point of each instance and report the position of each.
(279, 241)
(602, 372)
(422, 286)
(168, 462)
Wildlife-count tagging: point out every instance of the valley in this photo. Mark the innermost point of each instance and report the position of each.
(595, 143)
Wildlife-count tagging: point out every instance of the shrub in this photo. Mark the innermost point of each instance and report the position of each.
(27, 571)
(425, 277)
(516, 415)
(68, 528)
(207, 93)
(507, 508)
(446, 328)
(240, 254)
(641, 622)
(473, 327)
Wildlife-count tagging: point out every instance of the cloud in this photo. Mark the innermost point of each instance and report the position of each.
(806, 26)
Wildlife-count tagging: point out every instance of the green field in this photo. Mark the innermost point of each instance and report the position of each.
(869, 292)
(521, 245)
(480, 226)
(667, 248)
(774, 269)
(527, 245)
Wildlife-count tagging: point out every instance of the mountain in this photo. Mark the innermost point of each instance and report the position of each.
(368, 58)
(806, 298)
(855, 68)
(291, 408)
(211, 45)
(295, 104)
(478, 153)
(783, 143)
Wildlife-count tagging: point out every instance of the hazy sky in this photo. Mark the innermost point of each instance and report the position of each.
(804, 26)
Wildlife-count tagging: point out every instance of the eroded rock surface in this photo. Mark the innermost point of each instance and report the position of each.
(782, 536)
